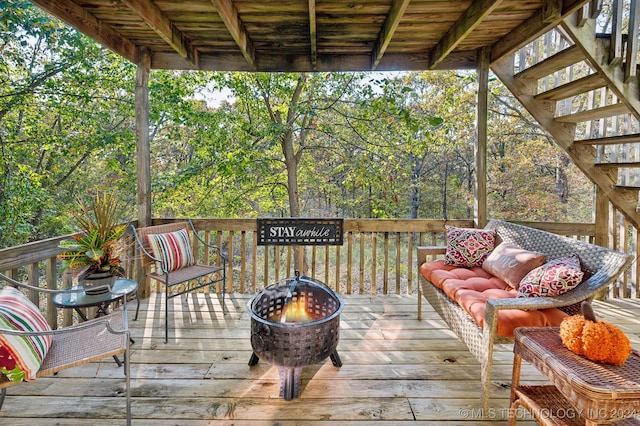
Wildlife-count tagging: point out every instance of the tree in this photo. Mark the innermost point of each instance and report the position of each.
(64, 121)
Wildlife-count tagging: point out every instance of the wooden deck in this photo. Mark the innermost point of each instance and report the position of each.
(396, 370)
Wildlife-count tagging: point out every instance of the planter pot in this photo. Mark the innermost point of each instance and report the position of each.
(99, 279)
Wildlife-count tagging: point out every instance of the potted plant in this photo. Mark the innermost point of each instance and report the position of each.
(95, 253)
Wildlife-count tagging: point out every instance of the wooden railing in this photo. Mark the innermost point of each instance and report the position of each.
(377, 257)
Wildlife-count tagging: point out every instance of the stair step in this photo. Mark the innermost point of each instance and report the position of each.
(594, 114)
(576, 87)
(628, 188)
(612, 140)
(627, 165)
(560, 60)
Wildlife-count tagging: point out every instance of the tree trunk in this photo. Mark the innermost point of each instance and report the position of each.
(562, 182)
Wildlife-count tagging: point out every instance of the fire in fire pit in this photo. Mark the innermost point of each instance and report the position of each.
(295, 322)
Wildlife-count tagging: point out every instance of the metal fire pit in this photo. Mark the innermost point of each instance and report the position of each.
(282, 337)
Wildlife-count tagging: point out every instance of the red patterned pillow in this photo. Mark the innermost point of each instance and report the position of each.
(556, 277)
(21, 356)
(172, 248)
(468, 247)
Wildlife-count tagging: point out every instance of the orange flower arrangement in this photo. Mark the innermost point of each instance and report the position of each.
(596, 340)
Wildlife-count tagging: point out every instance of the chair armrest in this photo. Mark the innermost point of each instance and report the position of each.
(102, 323)
(586, 290)
(141, 245)
(424, 251)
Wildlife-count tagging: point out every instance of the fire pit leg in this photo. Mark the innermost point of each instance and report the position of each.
(254, 359)
(289, 382)
(335, 359)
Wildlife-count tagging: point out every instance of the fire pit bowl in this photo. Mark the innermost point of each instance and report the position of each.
(295, 322)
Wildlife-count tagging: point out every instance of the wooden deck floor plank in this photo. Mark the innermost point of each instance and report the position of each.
(396, 371)
(183, 422)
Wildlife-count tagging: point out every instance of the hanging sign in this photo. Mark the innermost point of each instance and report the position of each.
(299, 231)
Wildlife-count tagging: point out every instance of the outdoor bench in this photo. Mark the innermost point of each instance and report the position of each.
(484, 310)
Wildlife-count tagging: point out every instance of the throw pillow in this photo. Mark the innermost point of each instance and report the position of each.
(172, 248)
(21, 356)
(511, 263)
(468, 247)
(555, 277)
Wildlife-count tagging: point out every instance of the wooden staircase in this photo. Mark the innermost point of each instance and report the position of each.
(583, 88)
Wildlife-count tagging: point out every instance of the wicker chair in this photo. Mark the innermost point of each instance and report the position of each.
(602, 267)
(80, 344)
(184, 279)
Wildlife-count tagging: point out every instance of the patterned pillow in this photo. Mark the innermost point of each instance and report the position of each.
(554, 278)
(21, 356)
(511, 263)
(172, 248)
(468, 247)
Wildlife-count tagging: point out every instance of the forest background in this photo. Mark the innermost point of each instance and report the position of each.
(237, 145)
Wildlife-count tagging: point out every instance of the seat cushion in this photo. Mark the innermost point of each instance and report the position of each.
(21, 356)
(472, 287)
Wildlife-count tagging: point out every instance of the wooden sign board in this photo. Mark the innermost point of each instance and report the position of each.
(300, 231)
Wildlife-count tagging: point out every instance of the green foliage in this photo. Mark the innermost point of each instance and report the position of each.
(379, 145)
(66, 112)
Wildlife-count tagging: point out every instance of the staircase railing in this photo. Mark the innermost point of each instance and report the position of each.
(579, 81)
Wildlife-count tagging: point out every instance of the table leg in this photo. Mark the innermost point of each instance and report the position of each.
(81, 314)
(515, 382)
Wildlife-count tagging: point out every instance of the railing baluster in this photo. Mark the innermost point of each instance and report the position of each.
(243, 259)
(265, 278)
(314, 253)
(52, 284)
(374, 260)
(631, 62)
(34, 281)
(349, 260)
(410, 263)
(398, 263)
(361, 283)
(338, 263)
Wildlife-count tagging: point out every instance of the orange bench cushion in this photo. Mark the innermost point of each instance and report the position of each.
(471, 287)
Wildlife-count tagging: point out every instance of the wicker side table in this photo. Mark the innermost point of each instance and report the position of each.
(582, 392)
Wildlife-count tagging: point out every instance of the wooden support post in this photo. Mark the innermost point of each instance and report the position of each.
(481, 138)
(52, 284)
(602, 229)
(143, 157)
(602, 219)
(143, 150)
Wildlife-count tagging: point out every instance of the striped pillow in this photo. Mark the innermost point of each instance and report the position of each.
(21, 356)
(172, 248)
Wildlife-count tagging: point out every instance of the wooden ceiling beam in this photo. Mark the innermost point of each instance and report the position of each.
(468, 21)
(89, 25)
(458, 60)
(234, 24)
(157, 21)
(313, 34)
(388, 29)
